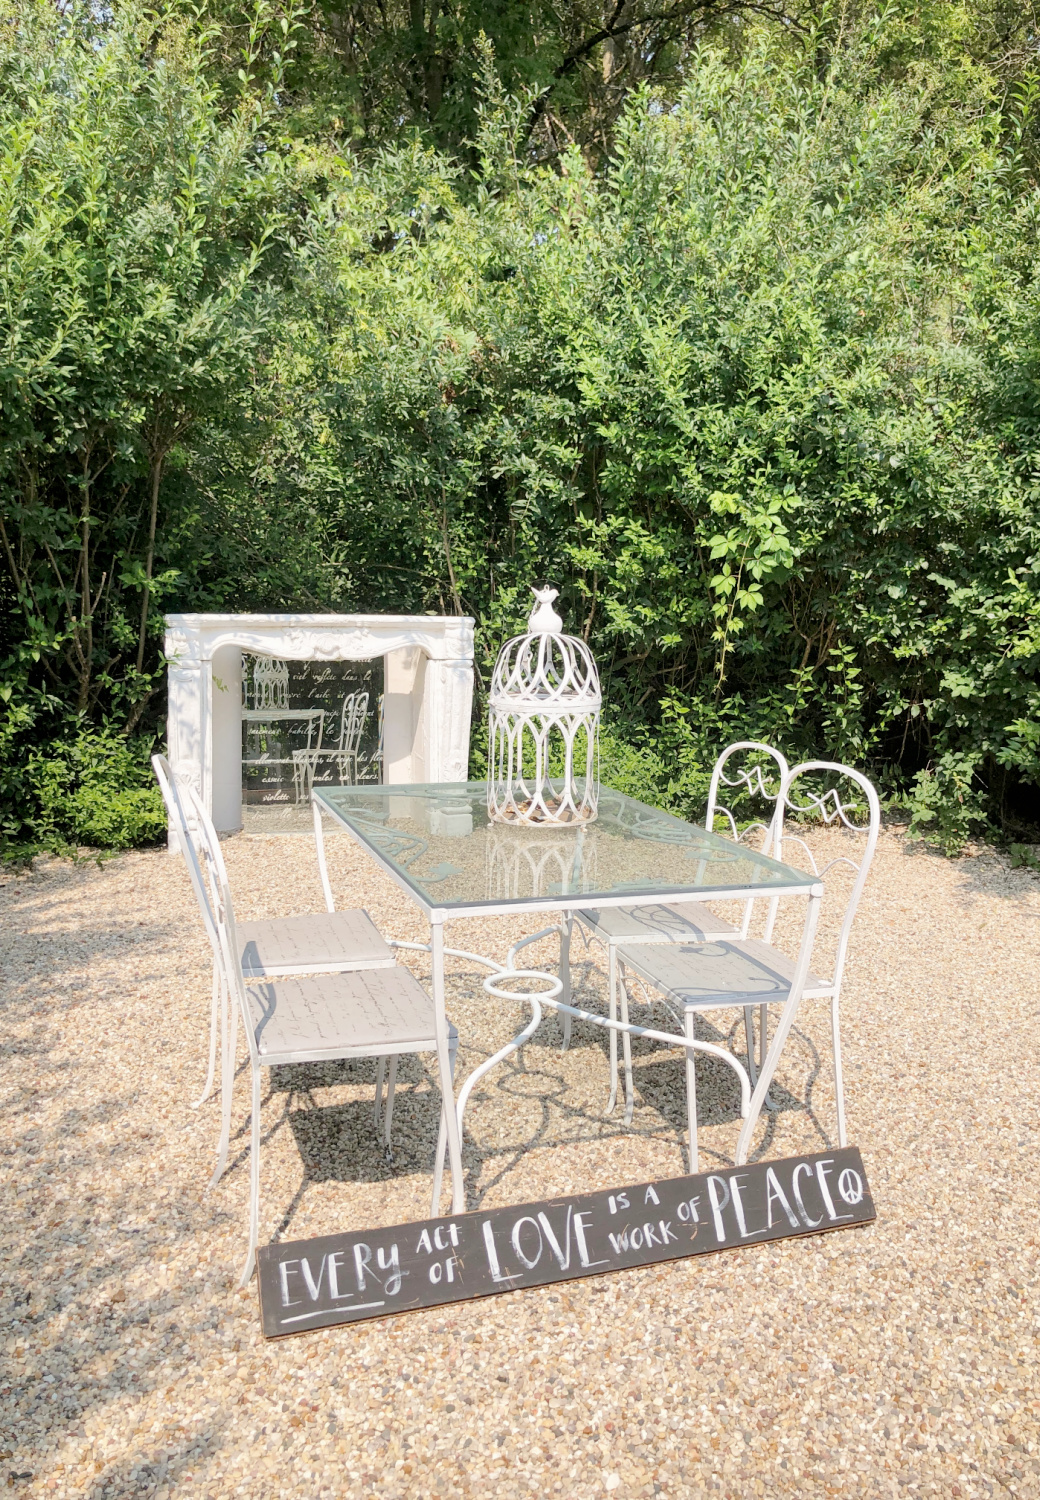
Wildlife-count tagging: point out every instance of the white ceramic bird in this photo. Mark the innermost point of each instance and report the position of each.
(544, 619)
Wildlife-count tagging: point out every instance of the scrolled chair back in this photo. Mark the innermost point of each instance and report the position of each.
(749, 777)
(824, 791)
(352, 721)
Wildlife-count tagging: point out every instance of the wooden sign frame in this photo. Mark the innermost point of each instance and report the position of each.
(347, 1278)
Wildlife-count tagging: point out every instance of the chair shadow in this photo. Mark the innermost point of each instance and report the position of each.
(341, 1142)
(659, 1076)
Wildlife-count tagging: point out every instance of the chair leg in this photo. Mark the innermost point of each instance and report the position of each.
(565, 976)
(442, 1137)
(626, 1049)
(613, 983)
(749, 1033)
(438, 1168)
(214, 1015)
(390, 1086)
(229, 1028)
(839, 1080)
(691, 1092)
(254, 1181)
(380, 1075)
(763, 1046)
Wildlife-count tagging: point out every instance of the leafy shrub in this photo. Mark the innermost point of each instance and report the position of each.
(95, 789)
(947, 805)
(760, 396)
(1022, 857)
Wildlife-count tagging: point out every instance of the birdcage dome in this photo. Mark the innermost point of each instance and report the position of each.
(543, 725)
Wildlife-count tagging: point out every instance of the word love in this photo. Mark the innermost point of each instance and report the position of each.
(343, 1278)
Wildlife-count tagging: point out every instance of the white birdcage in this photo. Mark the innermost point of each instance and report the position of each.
(519, 867)
(543, 725)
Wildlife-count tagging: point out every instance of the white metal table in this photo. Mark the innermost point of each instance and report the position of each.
(308, 716)
(436, 842)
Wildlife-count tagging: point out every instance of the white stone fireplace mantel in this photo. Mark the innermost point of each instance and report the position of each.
(427, 685)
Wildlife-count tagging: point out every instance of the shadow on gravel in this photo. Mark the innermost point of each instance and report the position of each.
(93, 1215)
(984, 871)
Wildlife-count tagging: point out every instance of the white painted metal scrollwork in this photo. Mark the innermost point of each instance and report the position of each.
(519, 867)
(747, 779)
(544, 710)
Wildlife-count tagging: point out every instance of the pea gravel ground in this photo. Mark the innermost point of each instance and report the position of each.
(897, 1359)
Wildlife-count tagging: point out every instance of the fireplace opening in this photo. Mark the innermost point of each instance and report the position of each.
(306, 724)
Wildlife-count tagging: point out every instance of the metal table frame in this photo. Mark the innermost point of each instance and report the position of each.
(566, 906)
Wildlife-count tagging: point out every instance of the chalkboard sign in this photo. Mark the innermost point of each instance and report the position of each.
(344, 1278)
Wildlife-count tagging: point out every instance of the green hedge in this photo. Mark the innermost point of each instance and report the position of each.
(760, 396)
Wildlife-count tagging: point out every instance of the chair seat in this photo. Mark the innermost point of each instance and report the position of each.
(717, 974)
(326, 1016)
(683, 922)
(301, 945)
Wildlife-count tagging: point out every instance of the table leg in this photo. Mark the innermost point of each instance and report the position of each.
(458, 1191)
(839, 1082)
(787, 1020)
(612, 980)
(566, 927)
(691, 1091)
(319, 844)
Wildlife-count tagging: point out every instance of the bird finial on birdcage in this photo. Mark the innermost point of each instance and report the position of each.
(544, 620)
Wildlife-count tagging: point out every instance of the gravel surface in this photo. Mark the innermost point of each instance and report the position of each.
(895, 1359)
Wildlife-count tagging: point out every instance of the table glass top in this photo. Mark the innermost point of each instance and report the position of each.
(437, 839)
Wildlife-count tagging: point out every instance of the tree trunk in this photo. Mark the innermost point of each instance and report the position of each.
(86, 651)
(156, 477)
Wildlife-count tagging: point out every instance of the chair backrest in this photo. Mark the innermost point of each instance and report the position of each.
(201, 847)
(841, 796)
(747, 777)
(352, 722)
(179, 823)
(270, 683)
(218, 886)
(377, 757)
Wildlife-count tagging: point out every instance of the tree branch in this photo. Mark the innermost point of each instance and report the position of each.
(615, 27)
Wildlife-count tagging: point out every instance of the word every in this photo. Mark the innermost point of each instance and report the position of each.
(342, 1278)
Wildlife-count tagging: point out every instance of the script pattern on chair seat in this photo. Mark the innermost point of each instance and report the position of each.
(717, 974)
(336, 1015)
(683, 922)
(299, 945)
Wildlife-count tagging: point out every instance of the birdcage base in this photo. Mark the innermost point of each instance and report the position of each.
(552, 815)
(544, 809)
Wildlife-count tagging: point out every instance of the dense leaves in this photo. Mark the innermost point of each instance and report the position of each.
(759, 392)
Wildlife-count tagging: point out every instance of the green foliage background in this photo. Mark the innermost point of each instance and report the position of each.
(756, 385)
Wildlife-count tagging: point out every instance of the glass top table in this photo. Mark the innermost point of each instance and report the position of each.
(436, 842)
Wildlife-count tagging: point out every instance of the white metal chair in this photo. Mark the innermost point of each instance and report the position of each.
(702, 975)
(331, 941)
(691, 921)
(368, 768)
(311, 1018)
(352, 720)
